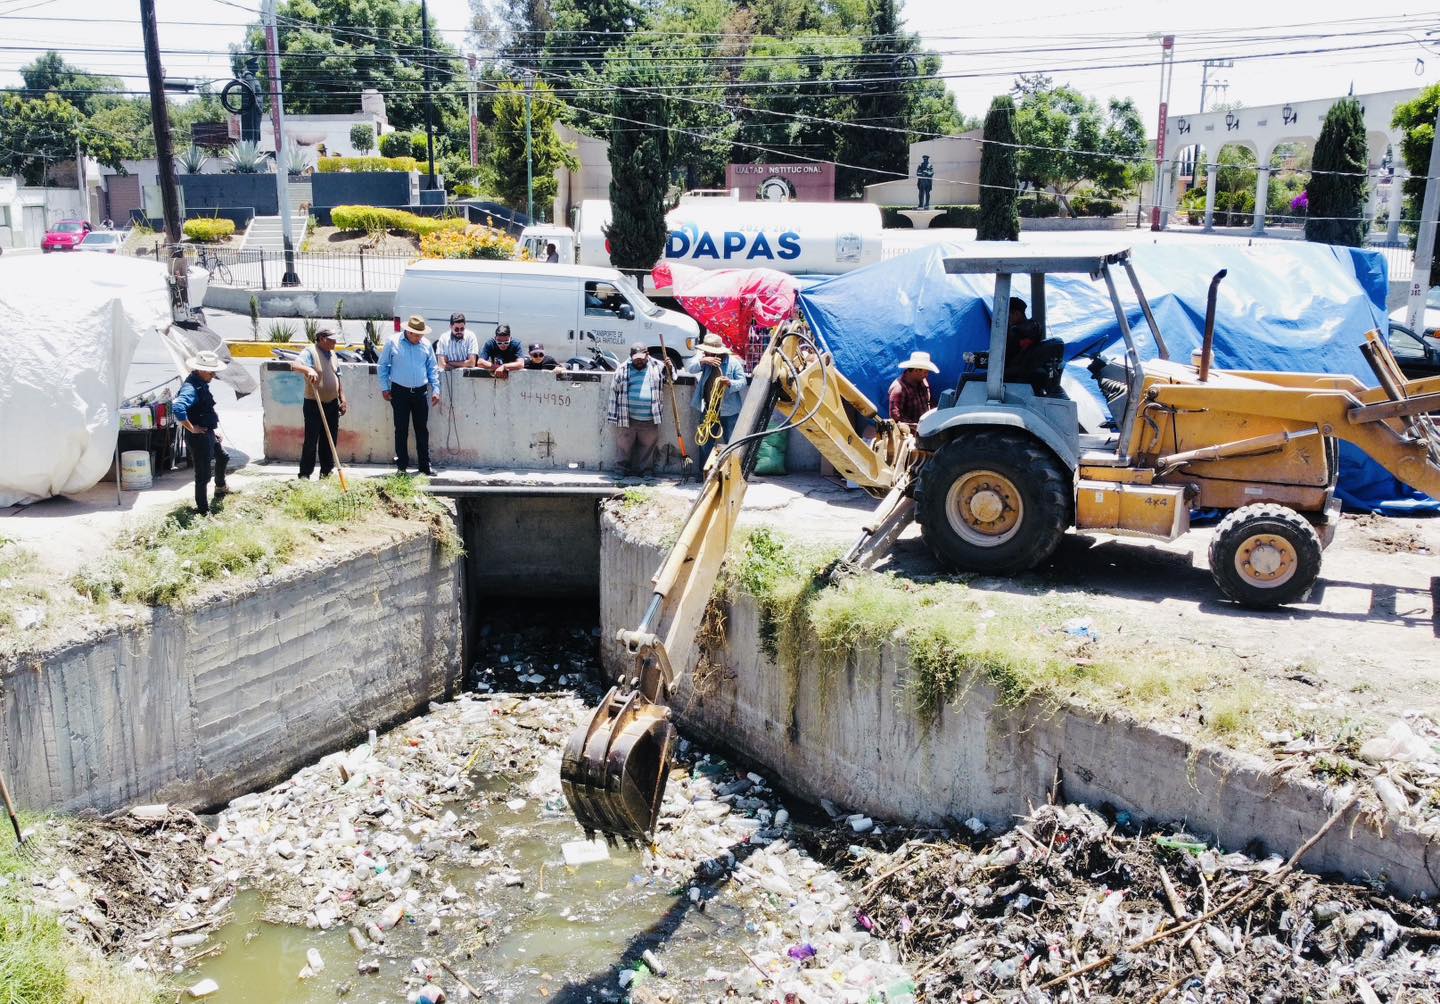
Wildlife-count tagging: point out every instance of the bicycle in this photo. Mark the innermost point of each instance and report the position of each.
(219, 271)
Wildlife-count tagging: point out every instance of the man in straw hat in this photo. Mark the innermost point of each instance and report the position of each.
(910, 394)
(410, 381)
(323, 392)
(194, 409)
(716, 360)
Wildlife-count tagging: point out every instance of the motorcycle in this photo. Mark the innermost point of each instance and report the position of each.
(601, 360)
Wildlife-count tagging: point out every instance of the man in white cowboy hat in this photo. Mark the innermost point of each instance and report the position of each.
(716, 360)
(910, 394)
(194, 409)
(410, 381)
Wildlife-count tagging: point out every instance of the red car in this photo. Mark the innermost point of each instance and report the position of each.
(65, 236)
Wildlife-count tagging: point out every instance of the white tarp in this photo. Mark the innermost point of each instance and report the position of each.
(69, 327)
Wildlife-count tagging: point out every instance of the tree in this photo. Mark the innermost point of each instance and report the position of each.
(49, 72)
(362, 137)
(584, 31)
(1068, 141)
(887, 57)
(548, 152)
(515, 30)
(395, 144)
(999, 220)
(1417, 118)
(1337, 182)
(364, 43)
(38, 132)
(639, 166)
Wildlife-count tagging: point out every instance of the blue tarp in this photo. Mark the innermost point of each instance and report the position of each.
(1303, 307)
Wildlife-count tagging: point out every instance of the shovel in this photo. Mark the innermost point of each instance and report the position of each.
(687, 465)
(325, 424)
(10, 810)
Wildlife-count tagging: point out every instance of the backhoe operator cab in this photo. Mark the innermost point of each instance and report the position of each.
(1008, 470)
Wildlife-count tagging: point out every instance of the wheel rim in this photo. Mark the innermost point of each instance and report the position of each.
(984, 508)
(1266, 560)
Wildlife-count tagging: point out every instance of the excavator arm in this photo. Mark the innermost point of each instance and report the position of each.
(614, 768)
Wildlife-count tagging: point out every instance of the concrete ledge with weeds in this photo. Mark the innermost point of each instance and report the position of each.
(1041, 652)
(174, 558)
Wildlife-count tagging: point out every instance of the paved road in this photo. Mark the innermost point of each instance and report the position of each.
(236, 327)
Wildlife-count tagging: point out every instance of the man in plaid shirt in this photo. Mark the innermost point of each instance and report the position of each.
(634, 410)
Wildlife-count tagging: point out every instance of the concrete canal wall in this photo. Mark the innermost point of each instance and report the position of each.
(201, 704)
(535, 421)
(860, 744)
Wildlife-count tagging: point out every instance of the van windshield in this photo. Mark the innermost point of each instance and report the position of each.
(639, 299)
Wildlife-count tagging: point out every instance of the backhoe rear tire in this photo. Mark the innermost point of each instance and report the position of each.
(994, 501)
(1265, 556)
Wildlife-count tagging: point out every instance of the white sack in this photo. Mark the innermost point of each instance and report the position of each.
(69, 327)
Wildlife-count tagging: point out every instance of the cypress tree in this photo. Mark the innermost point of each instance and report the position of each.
(999, 218)
(1337, 200)
(639, 166)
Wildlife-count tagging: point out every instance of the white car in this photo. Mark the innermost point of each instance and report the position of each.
(1432, 311)
(102, 242)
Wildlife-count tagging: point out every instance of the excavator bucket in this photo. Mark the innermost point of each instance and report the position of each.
(614, 768)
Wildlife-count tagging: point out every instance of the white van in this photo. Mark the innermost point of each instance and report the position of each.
(564, 307)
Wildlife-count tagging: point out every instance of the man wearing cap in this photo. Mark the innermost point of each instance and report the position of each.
(323, 396)
(1030, 357)
(715, 360)
(194, 409)
(634, 410)
(538, 359)
(460, 349)
(910, 394)
(501, 354)
(409, 380)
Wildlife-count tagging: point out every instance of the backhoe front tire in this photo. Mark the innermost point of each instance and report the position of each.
(994, 501)
(1265, 556)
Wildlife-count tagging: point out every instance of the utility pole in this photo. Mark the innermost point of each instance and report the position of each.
(277, 116)
(164, 155)
(80, 179)
(429, 104)
(529, 152)
(1205, 85)
(1167, 67)
(474, 122)
(1425, 240)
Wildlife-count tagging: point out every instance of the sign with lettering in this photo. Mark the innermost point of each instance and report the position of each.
(801, 182)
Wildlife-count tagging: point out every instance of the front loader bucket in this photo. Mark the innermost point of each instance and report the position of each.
(615, 766)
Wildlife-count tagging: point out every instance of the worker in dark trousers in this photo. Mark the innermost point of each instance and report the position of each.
(410, 381)
(316, 363)
(194, 409)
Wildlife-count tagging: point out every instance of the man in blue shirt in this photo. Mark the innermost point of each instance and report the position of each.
(715, 360)
(410, 381)
(194, 409)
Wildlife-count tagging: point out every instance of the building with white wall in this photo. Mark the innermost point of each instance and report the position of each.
(589, 180)
(310, 132)
(956, 160)
(1264, 128)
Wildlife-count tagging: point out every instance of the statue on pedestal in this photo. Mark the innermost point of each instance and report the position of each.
(924, 179)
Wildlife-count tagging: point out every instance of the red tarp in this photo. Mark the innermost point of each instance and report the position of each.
(727, 301)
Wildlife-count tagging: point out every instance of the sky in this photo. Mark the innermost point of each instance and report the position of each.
(1100, 48)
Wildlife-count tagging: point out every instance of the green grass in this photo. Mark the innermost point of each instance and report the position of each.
(39, 963)
(956, 636)
(249, 535)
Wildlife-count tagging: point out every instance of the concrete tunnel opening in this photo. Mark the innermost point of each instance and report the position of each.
(532, 552)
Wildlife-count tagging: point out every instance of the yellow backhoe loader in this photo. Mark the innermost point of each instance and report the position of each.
(999, 471)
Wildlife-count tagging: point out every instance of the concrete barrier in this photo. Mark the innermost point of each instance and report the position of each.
(860, 744)
(295, 302)
(535, 420)
(199, 705)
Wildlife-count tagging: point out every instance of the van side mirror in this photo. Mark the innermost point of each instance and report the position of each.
(627, 312)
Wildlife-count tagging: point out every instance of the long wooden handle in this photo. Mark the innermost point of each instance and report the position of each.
(334, 453)
(10, 808)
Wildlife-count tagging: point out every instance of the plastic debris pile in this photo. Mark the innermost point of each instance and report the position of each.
(1070, 906)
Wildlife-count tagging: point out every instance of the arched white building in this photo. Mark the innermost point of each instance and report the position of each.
(1266, 127)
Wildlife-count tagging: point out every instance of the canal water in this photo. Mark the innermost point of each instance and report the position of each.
(453, 827)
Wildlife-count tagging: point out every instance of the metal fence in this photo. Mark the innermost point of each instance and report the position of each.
(327, 271)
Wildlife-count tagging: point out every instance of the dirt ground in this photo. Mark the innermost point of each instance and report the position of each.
(351, 241)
